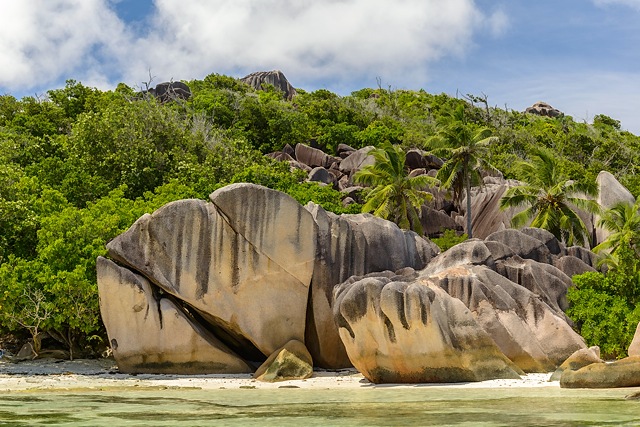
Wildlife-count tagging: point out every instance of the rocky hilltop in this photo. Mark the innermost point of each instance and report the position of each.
(251, 277)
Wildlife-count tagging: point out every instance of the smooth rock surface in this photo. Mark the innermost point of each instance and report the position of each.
(244, 261)
(151, 336)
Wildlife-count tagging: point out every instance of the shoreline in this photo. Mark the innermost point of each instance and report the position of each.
(102, 375)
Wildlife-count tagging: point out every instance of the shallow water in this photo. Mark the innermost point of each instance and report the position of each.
(425, 406)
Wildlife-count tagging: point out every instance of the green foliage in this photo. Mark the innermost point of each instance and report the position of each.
(394, 195)
(606, 308)
(449, 239)
(278, 177)
(549, 199)
(623, 222)
(465, 147)
(79, 165)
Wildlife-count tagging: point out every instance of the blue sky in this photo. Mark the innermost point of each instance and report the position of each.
(581, 56)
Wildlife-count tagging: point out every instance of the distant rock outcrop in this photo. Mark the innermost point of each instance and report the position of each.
(543, 109)
(275, 78)
(171, 91)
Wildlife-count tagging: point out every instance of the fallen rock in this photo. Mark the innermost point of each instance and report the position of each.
(149, 335)
(621, 373)
(320, 174)
(400, 332)
(578, 360)
(290, 362)
(435, 222)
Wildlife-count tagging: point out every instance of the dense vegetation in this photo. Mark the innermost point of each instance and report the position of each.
(78, 166)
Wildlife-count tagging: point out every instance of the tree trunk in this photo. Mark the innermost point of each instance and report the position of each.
(468, 188)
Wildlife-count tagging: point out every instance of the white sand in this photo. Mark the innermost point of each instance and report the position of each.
(103, 374)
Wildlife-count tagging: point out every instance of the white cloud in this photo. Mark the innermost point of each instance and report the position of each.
(325, 40)
(631, 3)
(42, 40)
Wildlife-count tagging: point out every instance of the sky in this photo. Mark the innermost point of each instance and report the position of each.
(580, 56)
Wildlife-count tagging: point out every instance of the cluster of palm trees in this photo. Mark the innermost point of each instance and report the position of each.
(548, 199)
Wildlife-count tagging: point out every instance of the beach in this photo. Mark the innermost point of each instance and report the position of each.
(85, 374)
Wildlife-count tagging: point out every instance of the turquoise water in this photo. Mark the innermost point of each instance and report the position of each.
(423, 406)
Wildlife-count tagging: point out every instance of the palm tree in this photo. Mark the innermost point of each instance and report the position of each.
(623, 221)
(395, 195)
(466, 146)
(550, 199)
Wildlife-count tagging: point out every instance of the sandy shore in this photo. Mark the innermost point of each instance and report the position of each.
(103, 374)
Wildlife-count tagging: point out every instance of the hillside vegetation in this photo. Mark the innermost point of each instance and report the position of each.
(78, 166)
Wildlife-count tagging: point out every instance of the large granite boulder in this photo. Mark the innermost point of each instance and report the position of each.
(399, 331)
(522, 244)
(610, 192)
(534, 335)
(351, 245)
(276, 78)
(634, 347)
(518, 301)
(621, 373)
(487, 217)
(151, 334)
(243, 262)
(312, 157)
(357, 160)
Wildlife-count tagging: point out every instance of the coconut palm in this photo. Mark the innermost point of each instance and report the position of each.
(623, 221)
(466, 148)
(395, 195)
(550, 199)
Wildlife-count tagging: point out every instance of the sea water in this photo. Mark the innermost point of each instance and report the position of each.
(375, 406)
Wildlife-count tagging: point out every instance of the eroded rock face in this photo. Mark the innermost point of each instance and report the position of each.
(351, 245)
(528, 331)
(149, 335)
(399, 331)
(244, 261)
(238, 277)
(518, 302)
